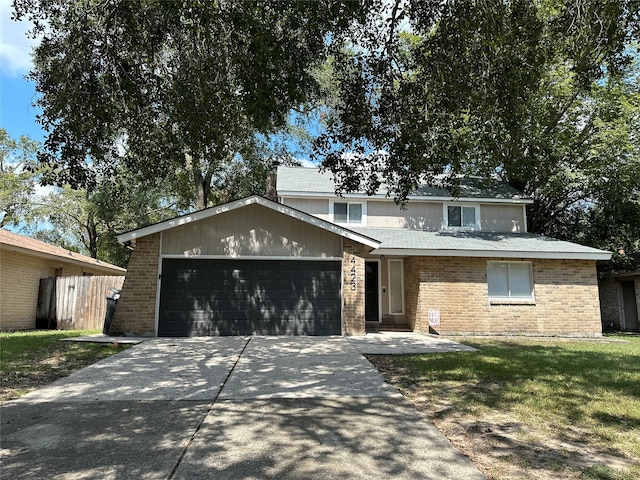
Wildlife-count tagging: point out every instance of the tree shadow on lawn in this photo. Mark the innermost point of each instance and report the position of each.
(582, 390)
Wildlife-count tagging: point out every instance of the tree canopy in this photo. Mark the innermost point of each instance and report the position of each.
(542, 94)
(16, 182)
(171, 86)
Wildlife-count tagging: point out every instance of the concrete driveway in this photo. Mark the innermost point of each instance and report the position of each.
(230, 408)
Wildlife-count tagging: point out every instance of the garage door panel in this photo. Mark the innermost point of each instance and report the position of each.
(244, 297)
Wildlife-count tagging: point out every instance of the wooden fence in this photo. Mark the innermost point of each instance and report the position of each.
(75, 302)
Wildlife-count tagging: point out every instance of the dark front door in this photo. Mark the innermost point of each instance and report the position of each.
(249, 297)
(630, 307)
(371, 295)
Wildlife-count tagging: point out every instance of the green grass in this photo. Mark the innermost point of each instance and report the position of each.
(572, 391)
(29, 360)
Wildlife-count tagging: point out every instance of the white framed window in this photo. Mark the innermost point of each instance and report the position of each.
(510, 281)
(396, 287)
(349, 212)
(461, 217)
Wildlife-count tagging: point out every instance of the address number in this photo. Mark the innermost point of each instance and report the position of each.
(354, 285)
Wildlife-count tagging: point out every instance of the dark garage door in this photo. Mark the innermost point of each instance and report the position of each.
(249, 297)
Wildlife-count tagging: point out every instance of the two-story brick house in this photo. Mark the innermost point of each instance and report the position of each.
(315, 263)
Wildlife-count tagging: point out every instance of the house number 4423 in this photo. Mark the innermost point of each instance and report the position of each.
(353, 274)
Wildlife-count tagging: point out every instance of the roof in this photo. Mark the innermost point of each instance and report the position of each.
(477, 244)
(304, 181)
(13, 242)
(252, 200)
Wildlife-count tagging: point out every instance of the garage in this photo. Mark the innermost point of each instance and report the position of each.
(249, 297)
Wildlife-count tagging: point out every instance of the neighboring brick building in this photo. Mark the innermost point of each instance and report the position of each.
(620, 301)
(23, 262)
(317, 264)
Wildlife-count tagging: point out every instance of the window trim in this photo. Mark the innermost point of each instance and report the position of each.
(363, 217)
(509, 300)
(445, 216)
(391, 289)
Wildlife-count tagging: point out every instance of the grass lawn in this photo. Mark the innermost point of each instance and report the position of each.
(29, 360)
(532, 408)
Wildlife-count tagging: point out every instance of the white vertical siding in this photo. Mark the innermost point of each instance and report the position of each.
(251, 231)
(502, 218)
(416, 216)
(318, 207)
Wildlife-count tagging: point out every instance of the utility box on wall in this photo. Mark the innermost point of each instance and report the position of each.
(434, 317)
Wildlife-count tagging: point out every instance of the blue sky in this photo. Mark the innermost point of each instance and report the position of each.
(17, 115)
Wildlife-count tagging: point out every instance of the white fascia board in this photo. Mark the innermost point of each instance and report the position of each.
(278, 207)
(250, 257)
(293, 194)
(598, 255)
(183, 220)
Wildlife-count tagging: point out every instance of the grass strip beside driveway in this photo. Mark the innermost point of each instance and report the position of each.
(532, 408)
(30, 360)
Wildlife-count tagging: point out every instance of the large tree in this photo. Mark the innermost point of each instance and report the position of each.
(77, 219)
(172, 86)
(17, 183)
(537, 92)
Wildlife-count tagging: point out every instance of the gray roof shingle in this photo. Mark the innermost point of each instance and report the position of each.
(485, 244)
(311, 180)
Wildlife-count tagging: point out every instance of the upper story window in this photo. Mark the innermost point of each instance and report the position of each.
(348, 212)
(462, 217)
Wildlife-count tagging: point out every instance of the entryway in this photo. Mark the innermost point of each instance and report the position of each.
(629, 307)
(372, 291)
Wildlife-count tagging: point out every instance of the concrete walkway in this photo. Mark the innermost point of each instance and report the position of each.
(229, 408)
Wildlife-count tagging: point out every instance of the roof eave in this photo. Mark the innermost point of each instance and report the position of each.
(115, 270)
(596, 255)
(378, 196)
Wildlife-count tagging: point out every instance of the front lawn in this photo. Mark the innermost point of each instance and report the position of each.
(532, 408)
(29, 360)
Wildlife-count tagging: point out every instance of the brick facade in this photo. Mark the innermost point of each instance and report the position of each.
(353, 271)
(135, 312)
(565, 293)
(611, 301)
(610, 307)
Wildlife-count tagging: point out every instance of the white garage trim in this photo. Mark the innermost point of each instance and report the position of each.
(250, 257)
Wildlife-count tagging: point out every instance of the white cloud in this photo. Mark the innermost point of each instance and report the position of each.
(306, 163)
(15, 46)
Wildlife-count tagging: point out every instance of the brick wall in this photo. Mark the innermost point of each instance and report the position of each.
(565, 292)
(353, 288)
(135, 312)
(19, 282)
(610, 307)
(637, 287)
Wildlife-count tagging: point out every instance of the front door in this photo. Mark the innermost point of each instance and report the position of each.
(371, 295)
(630, 307)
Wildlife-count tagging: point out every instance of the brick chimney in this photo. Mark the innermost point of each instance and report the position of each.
(271, 192)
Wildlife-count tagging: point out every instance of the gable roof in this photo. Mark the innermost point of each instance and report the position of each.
(252, 200)
(304, 181)
(13, 242)
(478, 244)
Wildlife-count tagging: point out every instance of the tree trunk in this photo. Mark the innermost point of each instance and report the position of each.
(203, 188)
(92, 237)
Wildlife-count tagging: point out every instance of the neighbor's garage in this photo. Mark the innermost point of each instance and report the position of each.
(249, 297)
